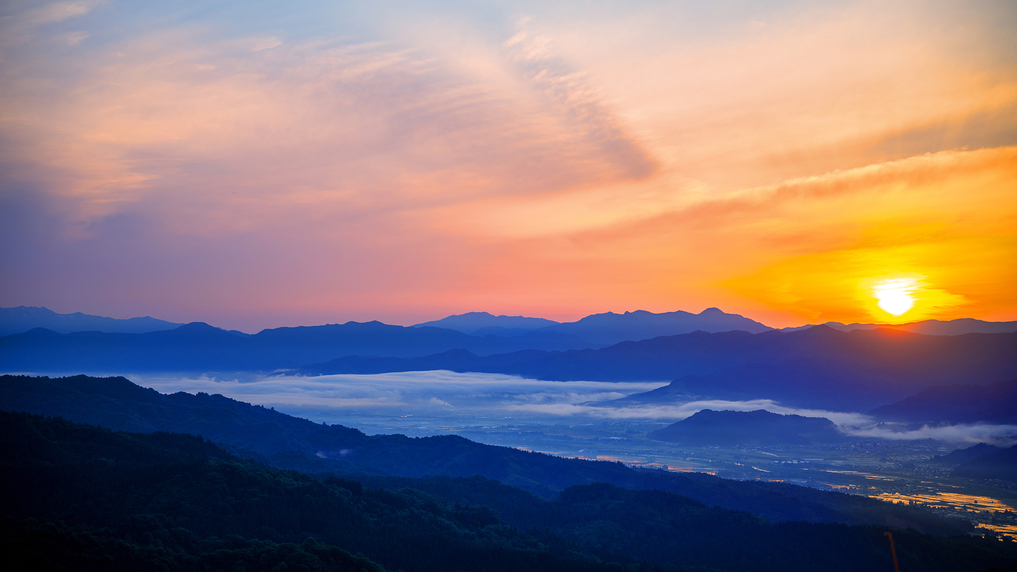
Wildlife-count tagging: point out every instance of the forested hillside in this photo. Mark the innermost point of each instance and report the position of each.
(81, 497)
(289, 442)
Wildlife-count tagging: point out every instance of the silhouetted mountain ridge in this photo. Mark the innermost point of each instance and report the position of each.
(960, 403)
(610, 328)
(815, 368)
(484, 322)
(958, 456)
(956, 327)
(199, 347)
(24, 318)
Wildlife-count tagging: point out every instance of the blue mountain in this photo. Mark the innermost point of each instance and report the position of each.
(25, 318)
(486, 323)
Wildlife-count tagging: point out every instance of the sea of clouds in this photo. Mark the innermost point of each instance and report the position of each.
(434, 402)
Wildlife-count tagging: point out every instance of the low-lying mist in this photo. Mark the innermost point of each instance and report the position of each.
(442, 402)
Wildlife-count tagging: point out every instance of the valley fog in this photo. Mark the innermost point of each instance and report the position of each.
(420, 404)
(426, 403)
(579, 419)
(584, 419)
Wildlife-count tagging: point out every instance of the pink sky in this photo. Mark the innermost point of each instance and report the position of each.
(255, 167)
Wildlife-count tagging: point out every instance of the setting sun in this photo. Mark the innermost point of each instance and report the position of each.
(895, 296)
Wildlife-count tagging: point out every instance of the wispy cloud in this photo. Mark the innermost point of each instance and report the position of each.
(429, 393)
(59, 11)
(444, 158)
(1001, 435)
(679, 411)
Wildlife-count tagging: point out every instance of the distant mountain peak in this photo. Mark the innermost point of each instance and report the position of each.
(196, 326)
(471, 322)
(610, 328)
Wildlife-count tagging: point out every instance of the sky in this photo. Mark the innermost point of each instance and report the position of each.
(260, 164)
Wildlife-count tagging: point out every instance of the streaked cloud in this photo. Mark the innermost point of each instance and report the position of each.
(256, 168)
(964, 433)
(59, 11)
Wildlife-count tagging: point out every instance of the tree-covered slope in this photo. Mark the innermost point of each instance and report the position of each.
(178, 501)
(290, 442)
(81, 497)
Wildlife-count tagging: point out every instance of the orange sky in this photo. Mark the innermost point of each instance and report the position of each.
(255, 168)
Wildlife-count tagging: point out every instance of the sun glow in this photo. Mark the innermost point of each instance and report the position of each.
(895, 296)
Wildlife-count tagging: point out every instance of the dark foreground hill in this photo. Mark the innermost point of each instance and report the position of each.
(289, 442)
(83, 498)
(726, 428)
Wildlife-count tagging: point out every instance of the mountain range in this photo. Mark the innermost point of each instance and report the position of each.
(200, 347)
(596, 329)
(24, 318)
(960, 403)
(816, 368)
(605, 329)
(956, 327)
(483, 323)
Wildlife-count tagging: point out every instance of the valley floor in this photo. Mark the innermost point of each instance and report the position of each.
(561, 418)
(893, 471)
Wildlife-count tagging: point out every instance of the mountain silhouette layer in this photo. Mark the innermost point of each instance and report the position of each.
(961, 403)
(610, 328)
(956, 327)
(474, 322)
(199, 347)
(24, 318)
(817, 368)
